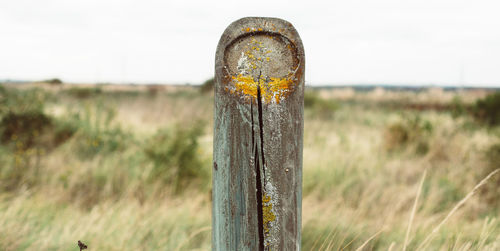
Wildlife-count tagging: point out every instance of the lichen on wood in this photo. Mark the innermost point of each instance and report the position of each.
(258, 133)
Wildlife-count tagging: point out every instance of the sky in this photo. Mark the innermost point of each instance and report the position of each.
(418, 42)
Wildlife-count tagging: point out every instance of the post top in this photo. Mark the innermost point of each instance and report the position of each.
(260, 54)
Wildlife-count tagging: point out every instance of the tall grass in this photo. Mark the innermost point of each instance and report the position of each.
(132, 172)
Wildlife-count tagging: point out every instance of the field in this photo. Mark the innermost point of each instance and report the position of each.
(128, 168)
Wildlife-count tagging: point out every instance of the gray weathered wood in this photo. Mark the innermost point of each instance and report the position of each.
(257, 169)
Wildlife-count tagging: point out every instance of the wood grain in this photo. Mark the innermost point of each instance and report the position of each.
(258, 134)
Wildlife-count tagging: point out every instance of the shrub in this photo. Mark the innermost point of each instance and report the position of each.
(175, 155)
(95, 132)
(491, 191)
(396, 135)
(27, 132)
(92, 143)
(83, 92)
(20, 101)
(24, 129)
(409, 130)
(25, 135)
(53, 81)
(207, 86)
(23, 123)
(487, 110)
(457, 107)
(318, 106)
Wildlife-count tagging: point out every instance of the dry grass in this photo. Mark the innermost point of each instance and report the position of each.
(413, 211)
(357, 194)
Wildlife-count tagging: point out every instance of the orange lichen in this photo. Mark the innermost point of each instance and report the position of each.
(272, 88)
(276, 88)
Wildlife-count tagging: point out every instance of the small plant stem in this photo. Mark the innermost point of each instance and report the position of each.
(459, 204)
(414, 210)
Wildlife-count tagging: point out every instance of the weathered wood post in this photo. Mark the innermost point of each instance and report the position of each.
(257, 169)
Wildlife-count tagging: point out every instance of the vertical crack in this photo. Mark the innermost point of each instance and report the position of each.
(260, 213)
(258, 185)
(261, 130)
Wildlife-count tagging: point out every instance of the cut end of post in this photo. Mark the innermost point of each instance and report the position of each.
(261, 52)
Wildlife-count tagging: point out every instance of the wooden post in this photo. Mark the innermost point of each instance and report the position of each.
(257, 169)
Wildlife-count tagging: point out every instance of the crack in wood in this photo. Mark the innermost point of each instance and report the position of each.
(258, 185)
(261, 130)
(260, 213)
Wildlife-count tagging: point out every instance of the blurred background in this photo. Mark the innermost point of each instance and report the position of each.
(106, 123)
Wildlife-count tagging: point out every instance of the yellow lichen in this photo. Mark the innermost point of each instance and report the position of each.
(267, 213)
(272, 89)
(276, 88)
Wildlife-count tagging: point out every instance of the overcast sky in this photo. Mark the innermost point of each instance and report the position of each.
(450, 42)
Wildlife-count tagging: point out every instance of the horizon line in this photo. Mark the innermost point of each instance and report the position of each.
(307, 84)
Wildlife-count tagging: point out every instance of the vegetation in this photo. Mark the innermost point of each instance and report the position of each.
(409, 131)
(129, 170)
(487, 110)
(491, 192)
(26, 132)
(319, 107)
(175, 156)
(82, 92)
(208, 86)
(53, 81)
